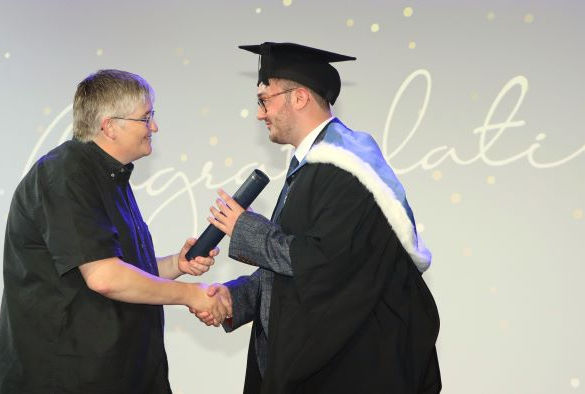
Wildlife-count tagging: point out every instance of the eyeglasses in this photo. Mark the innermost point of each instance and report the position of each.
(262, 101)
(148, 119)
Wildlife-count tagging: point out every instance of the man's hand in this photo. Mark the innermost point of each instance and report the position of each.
(197, 266)
(226, 214)
(215, 290)
(215, 306)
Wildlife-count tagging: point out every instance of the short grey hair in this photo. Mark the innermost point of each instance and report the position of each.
(106, 93)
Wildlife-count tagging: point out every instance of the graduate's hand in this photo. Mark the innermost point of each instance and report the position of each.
(216, 290)
(213, 306)
(197, 266)
(225, 216)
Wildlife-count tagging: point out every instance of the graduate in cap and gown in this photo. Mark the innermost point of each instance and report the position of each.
(338, 301)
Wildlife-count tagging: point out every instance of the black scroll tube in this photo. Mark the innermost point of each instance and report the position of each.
(247, 193)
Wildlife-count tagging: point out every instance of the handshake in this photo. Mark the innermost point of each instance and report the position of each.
(212, 304)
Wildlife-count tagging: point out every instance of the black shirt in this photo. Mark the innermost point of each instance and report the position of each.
(56, 335)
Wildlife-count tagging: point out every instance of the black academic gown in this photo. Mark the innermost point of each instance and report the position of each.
(356, 317)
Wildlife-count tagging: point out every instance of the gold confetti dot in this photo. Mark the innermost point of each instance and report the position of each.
(578, 214)
(183, 157)
(491, 180)
(407, 12)
(528, 18)
(420, 227)
(204, 110)
(186, 62)
(493, 290)
(213, 141)
(437, 175)
(375, 27)
(411, 45)
(99, 52)
(7, 55)
(286, 3)
(228, 162)
(258, 10)
(179, 51)
(490, 16)
(244, 113)
(455, 198)
(575, 382)
(474, 96)
(47, 111)
(467, 252)
(504, 324)
(349, 23)
(540, 136)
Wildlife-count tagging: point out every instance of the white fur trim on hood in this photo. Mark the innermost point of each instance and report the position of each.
(385, 198)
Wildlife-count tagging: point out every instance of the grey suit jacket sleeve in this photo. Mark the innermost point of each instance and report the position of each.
(257, 241)
(245, 293)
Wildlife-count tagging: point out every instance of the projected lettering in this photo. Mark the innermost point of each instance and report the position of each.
(489, 132)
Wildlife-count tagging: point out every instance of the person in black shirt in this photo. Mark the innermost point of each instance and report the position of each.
(83, 290)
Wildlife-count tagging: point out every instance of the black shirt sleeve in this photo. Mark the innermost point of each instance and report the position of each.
(76, 227)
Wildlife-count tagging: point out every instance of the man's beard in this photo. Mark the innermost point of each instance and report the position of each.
(282, 127)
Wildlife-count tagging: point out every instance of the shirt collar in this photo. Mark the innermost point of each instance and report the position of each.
(113, 169)
(309, 139)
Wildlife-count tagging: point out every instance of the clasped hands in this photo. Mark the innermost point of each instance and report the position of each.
(221, 305)
(214, 304)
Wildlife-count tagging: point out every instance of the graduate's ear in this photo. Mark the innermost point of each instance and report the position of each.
(107, 128)
(300, 97)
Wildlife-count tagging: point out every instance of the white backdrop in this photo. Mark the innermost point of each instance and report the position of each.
(476, 104)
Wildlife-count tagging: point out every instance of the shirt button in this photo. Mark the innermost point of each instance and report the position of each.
(113, 175)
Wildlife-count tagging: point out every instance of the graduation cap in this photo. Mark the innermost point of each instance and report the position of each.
(305, 65)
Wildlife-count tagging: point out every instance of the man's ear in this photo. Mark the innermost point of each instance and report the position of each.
(301, 97)
(108, 129)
